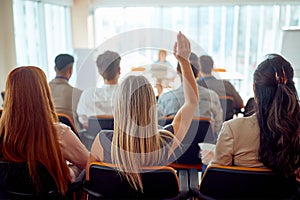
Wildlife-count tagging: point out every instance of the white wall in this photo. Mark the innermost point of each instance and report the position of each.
(7, 42)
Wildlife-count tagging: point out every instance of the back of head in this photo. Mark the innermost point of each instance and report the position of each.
(206, 64)
(278, 114)
(28, 117)
(62, 62)
(136, 141)
(194, 60)
(108, 64)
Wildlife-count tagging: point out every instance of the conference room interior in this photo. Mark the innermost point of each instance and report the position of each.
(237, 34)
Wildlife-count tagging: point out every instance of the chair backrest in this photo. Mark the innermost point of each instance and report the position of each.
(95, 125)
(106, 182)
(67, 120)
(200, 131)
(15, 182)
(232, 182)
(227, 107)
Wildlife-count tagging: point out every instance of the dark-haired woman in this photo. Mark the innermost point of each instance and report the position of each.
(271, 137)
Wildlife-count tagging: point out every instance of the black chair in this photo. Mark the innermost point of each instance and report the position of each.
(227, 107)
(105, 182)
(15, 182)
(95, 125)
(187, 155)
(232, 182)
(2, 95)
(67, 120)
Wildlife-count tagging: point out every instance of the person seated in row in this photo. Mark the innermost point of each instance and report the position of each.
(98, 101)
(30, 131)
(221, 87)
(208, 106)
(65, 96)
(136, 140)
(271, 137)
(162, 58)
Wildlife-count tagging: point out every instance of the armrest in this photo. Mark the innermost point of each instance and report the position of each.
(87, 189)
(183, 182)
(78, 183)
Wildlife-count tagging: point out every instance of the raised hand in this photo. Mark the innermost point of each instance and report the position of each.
(182, 48)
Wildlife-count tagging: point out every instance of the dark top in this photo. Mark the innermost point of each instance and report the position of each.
(222, 88)
(105, 139)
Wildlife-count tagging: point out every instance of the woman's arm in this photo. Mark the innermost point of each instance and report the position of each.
(183, 118)
(72, 148)
(95, 155)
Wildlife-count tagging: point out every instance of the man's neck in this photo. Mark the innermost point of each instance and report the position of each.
(61, 77)
(111, 82)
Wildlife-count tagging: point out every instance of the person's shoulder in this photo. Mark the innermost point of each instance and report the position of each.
(227, 83)
(168, 95)
(207, 92)
(61, 127)
(204, 90)
(105, 135)
(251, 120)
(76, 90)
(52, 81)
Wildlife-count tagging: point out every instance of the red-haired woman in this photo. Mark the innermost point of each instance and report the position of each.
(30, 132)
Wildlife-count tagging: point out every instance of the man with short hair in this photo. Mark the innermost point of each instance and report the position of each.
(208, 107)
(221, 87)
(98, 101)
(65, 96)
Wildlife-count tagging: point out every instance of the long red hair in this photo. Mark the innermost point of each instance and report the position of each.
(27, 129)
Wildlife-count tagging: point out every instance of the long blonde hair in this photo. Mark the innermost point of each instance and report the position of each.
(136, 140)
(27, 128)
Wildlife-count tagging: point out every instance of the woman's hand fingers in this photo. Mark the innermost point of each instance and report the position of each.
(182, 48)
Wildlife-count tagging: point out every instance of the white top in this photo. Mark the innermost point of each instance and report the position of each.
(95, 101)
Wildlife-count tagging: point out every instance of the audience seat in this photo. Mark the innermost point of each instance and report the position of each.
(15, 182)
(159, 182)
(95, 125)
(187, 155)
(227, 107)
(67, 120)
(233, 182)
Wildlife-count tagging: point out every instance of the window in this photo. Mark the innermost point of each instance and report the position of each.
(42, 31)
(235, 36)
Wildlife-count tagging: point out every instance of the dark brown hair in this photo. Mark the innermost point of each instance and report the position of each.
(206, 64)
(278, 115)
